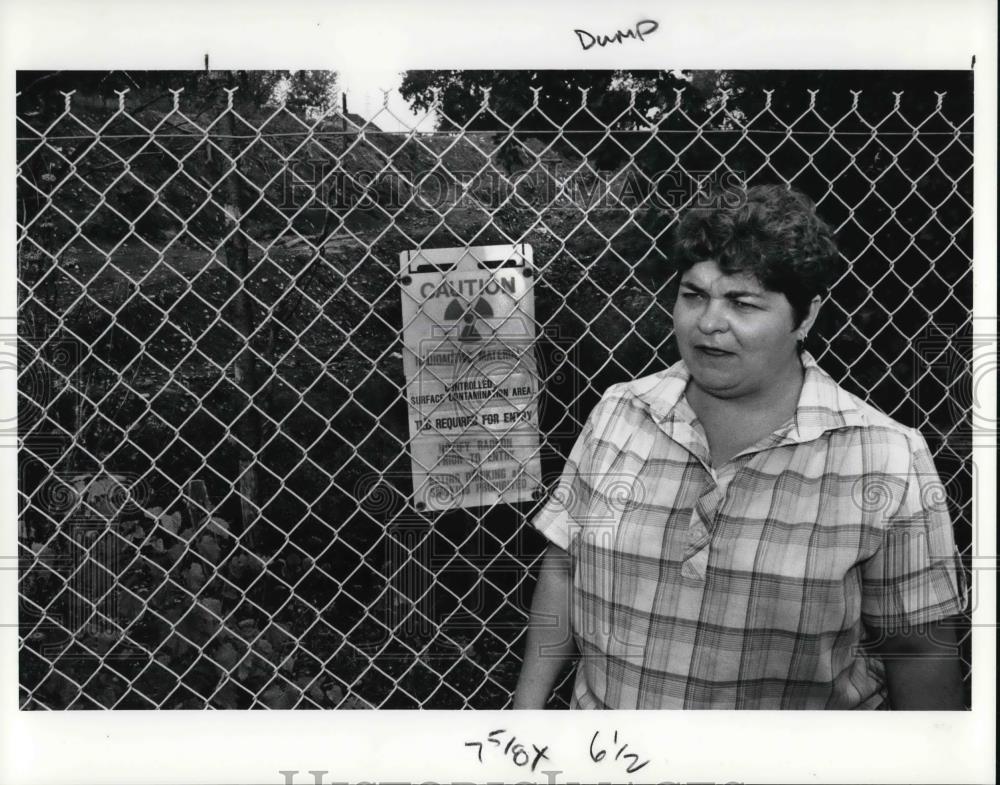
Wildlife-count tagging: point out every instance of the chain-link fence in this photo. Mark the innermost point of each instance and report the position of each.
(215, 489)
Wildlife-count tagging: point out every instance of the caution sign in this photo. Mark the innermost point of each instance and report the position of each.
(471, 380)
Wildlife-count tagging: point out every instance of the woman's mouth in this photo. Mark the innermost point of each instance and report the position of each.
(713, 351)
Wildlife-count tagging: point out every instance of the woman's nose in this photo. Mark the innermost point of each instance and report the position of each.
(713, 317)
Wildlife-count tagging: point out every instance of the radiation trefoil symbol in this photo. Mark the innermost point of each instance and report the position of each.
(472, 316)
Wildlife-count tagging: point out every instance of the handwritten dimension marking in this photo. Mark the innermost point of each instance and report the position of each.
(513, 750)
(642, 28)
(599, 754)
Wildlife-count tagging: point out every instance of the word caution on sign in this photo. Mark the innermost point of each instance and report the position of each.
(471, 377)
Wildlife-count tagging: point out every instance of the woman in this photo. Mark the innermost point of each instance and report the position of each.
(738, 531)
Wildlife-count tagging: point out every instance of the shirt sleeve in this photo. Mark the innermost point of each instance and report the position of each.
(915, 576)
(559, 518)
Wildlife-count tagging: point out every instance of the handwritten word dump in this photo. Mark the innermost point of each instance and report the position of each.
(642, 28)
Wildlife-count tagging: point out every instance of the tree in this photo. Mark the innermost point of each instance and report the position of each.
(718, 101)
(561, 114)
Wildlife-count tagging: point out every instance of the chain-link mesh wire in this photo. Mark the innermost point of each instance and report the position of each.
(215, 489)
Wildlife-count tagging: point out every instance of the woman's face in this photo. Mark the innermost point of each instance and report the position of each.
(736, 337)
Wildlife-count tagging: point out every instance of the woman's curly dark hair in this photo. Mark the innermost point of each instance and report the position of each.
(774, 234)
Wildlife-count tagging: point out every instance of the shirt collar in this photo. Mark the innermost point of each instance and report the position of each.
(822, 406)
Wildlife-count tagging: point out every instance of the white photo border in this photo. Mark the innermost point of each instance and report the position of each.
(428, 746)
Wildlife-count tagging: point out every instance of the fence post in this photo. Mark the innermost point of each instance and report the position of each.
(238, 261)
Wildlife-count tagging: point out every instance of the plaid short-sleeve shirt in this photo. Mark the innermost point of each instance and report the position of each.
(754, 584)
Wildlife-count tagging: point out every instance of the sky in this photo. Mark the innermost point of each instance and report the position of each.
(365, 97)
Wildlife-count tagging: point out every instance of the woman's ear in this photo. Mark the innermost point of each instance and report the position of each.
(803, 329)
